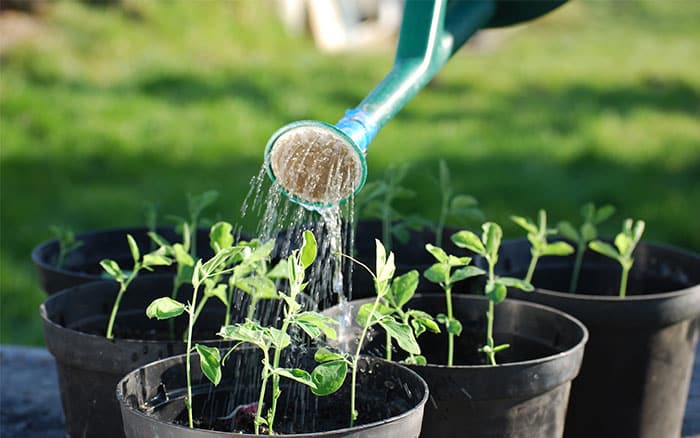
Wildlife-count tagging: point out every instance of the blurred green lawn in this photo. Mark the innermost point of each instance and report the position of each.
(107, 109)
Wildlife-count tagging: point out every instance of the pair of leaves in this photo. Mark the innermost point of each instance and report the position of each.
(384, 267)
(497, 290)
(330, 374)
(452, 325)
(625, 243)
(314, 324)
(487, 245)
(537, 236)
(592, 217)
(421, 322)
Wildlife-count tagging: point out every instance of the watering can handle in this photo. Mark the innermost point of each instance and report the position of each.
(431, 32)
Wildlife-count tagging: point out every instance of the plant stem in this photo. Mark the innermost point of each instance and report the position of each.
(231, 291)
(489, 334)
(531, 268)
(623, 281)
(261, 398)
(356, 357)
(577, 266)
(190, 327)
(251, 307)
(276, 380)
(450, 335)
(123, 286)
(388, 347)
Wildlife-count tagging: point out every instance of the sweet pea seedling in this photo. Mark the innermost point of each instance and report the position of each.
(587, 232)
(442, 273)
(66, 243)
(112, 268)
(625, 243)
(496, 287)
(464, 207)
(537, 236)
(387, 317)
(327, 377)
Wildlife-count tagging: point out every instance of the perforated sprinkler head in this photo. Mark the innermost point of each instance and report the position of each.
(316, 164)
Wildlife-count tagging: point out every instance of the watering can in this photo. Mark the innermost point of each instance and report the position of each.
(318, 164)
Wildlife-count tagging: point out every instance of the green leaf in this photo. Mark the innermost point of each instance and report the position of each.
(182, 256)
(156, 258)
(525, 223)
(328, 377)
(501, 347)
(604, 213)
(385, 265)
(439, 254)
(219, 291)
(492, 236)
(453, 326)
(438, 273)
(314, 324)
(296, 374)
(516, 283)
(623, 243)
(112, 269)
(158, 239)
(463, 202)
(134, 248)
(568, 231)
(220, 236)
(604, 248)
(364, 312)
(165, 308)
(588, 212)
(197, 273)
(279, 338)
(404, 287)
(325, 355)
(454, 261)
(250, 332)
(588, 232)
(308, 249)
(470, 241)
(557, 249)
(416, 360)
(402, 333)
(210, 362)
(638, 230)
(466, 272)
(281, 270)
(496, 292)
(422, 321)
(260, 287)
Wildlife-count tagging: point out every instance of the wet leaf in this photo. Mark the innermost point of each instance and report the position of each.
(210, 362)
(296, 374)
(260, 287)
(326, 355)
(281, 270)
(308, 249)
(365, 310)
(454, 327)
(165, 308)
(404, 287)
(328, 377)
(402, 334)
(218, 291)
(315, 324)
(220, 236)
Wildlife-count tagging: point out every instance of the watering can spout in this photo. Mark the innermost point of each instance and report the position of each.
(318, 164)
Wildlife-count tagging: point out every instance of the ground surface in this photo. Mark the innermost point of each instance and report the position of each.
(104, 109)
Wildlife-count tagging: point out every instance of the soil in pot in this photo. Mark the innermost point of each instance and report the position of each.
(635, 376)
(524, 396)
(89, 365)
(390, 401)
(83, 264)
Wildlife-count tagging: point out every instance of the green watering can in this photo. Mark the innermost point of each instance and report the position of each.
(320, 165)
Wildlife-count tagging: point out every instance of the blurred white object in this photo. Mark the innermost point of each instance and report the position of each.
(343, 25)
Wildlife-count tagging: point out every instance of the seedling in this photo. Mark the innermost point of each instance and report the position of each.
(325, 379)
(66, 243)
(377, 199)
(124, 278)
(625, 243)
(463, 207)
(389, 290)
(196, 204)
(496, 287)
(442, 274)
(203, 274)
(537, 235)
(592, 217)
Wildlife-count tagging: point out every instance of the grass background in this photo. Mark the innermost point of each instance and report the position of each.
(105, 109)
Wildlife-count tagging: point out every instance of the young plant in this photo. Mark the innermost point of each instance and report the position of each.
(376, 313)
(442, 274)
(66, 243)
(195, 206)
(203, 274)
(592, 217)
(124, 278)
(537, 235)
(496, 287)
(327, 377)
(625, 243)
(377, 201)
(464, 207)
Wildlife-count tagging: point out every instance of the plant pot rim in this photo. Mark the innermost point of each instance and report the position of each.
(348, 430)
(580, 345)
(93, 284)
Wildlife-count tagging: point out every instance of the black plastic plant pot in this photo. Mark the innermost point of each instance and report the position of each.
(636, 374)
(89, 365)
(390, 401)
(83, 264)
(525, 395)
